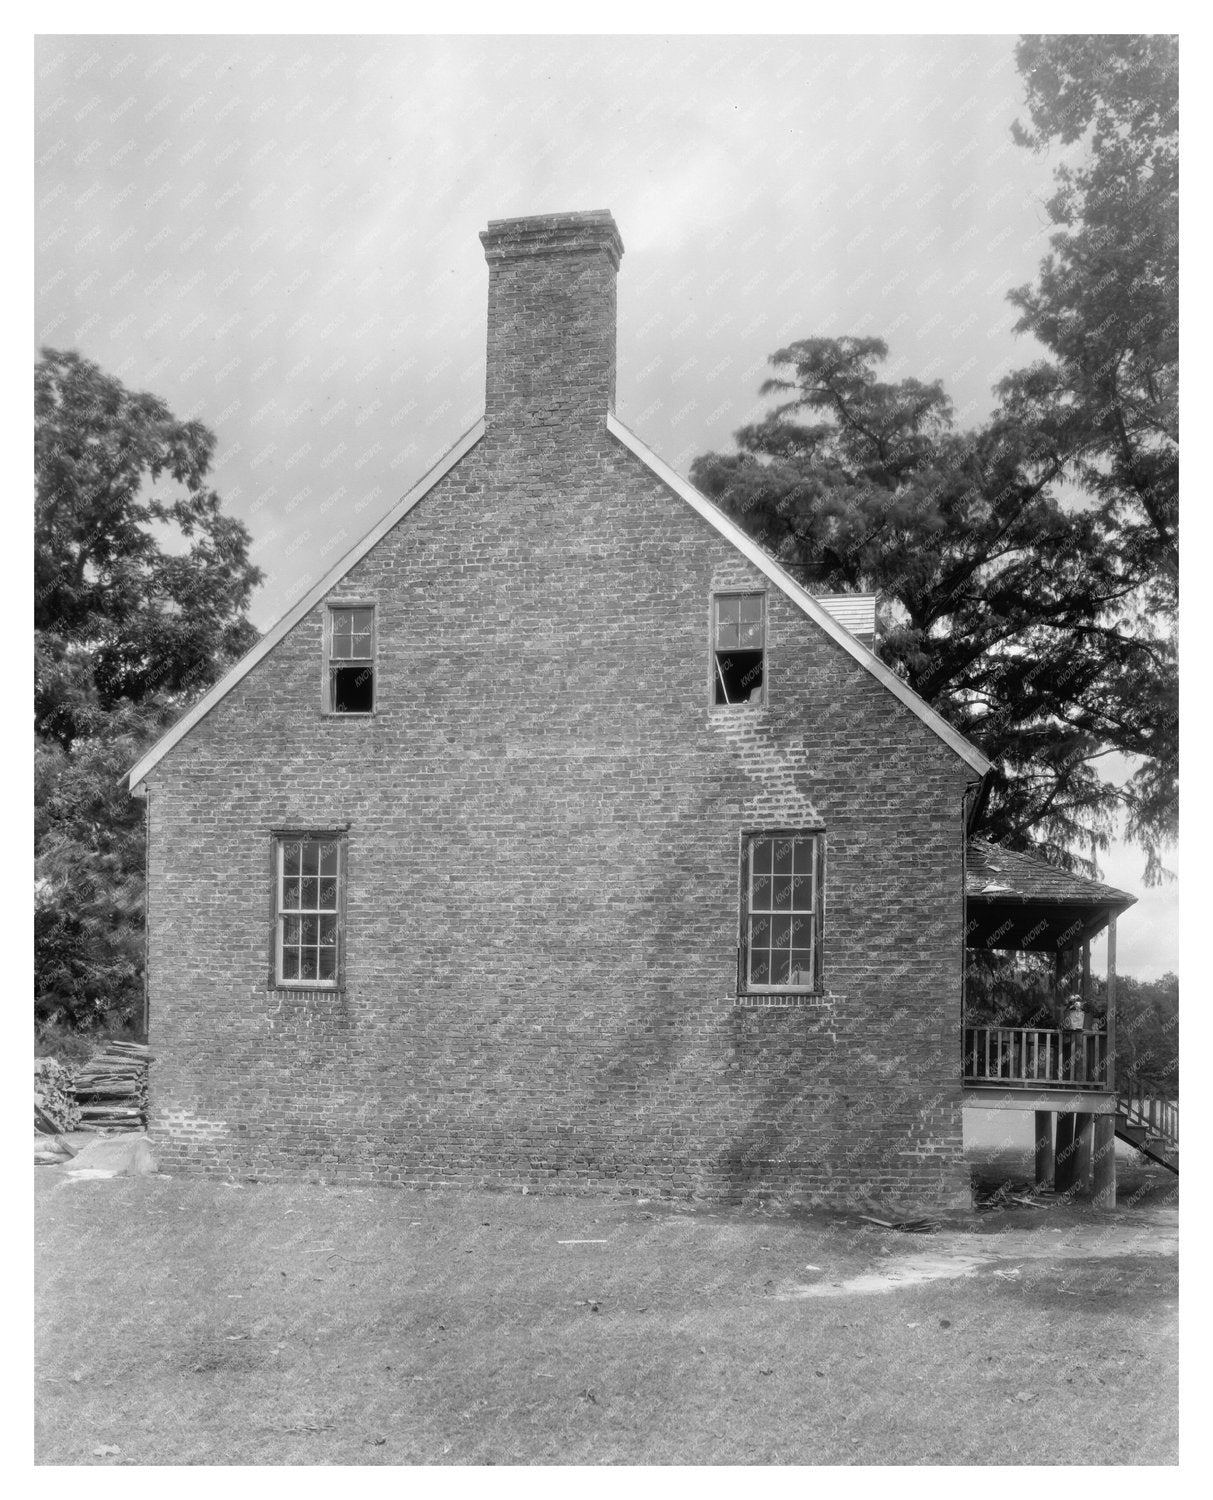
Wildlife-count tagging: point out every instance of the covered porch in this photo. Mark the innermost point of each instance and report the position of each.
(1049, 1044)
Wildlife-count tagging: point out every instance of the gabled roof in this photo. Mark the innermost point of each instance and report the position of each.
(800, 597)
(700, 503)
(313, 597)
(1005, 875)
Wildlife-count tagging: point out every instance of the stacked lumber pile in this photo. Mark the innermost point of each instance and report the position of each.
(111, 1088)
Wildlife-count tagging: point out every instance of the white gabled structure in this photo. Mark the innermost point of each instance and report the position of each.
(819, 613)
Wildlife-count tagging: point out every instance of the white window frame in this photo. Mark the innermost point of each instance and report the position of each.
(282, 913)
(815, 912)
(334, 607)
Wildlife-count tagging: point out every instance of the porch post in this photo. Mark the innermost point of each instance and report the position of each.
(1044, 1147)
(1104, 1161)
(1086, 971)
(1063, 1171)
(1111, 1081)
(1083, 1131)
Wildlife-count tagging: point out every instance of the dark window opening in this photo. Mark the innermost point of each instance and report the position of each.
(739, 676)
(738, 648)
(353, 689)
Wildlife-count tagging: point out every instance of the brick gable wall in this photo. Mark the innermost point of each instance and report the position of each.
(544, 825)
(542, 909)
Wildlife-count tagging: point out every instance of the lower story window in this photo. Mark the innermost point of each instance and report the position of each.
(308, 909)
(781, 911)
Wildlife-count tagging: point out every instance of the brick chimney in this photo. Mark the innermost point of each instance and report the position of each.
(551, 318)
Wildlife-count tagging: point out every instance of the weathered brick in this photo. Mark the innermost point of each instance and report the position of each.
(544, 818)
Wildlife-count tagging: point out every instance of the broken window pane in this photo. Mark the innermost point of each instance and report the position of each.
(738, 644)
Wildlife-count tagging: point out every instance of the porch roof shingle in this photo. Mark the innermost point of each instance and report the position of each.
(996, 874)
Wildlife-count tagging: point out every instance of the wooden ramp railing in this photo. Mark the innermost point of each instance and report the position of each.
(1029, 1056)
(1151, 1123)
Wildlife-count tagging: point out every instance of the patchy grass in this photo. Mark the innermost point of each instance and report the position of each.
(192, 1322)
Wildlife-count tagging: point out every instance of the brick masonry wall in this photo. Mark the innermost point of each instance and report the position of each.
(543, 875)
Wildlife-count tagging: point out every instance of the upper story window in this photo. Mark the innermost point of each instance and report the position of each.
(739, 639)
(781, 913)
(350, 653)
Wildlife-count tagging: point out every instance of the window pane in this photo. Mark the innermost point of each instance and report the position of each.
(309, 934)
(328, 963)
(290, 932)
(309, 894)
(760, 932)
(328, 895)
(291, 854)
(328, 931)
(802, 930)
(802, 966)
(760, 966)
(761, 852)
(311, 857)
(781, 893)
(783, 856)
(328, 858)
(781, 932)
(750, 636)
(307, 964)
(779, 968)
(760, 893)
(290, 963)
(361, 622)
(290, 895)
(804, 856)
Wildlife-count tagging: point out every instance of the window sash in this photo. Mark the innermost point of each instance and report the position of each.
(781, 924)
(351, 641)
(308, 910)
(739, 622)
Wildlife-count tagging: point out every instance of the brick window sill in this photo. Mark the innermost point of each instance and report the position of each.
(785, 1000)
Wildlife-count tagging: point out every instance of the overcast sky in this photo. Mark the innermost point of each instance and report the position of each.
(278, 236)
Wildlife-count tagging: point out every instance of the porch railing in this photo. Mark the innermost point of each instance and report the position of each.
(1158, 1116)
(1030, 1056)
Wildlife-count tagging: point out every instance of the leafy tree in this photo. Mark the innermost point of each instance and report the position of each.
(141, 584)
(1043, 630)
(1106, 308)
(1147, 1032)
(999, 606)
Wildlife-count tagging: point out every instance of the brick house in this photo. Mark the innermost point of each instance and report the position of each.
(558, 837)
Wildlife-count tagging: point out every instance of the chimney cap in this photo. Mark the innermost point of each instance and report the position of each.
(553, 234)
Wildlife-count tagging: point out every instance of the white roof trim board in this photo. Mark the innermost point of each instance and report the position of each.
(700, 503)
(800, 597)
(313, 597)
